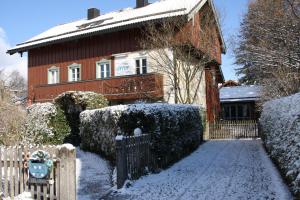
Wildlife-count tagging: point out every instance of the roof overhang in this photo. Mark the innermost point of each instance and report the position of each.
(235, 100)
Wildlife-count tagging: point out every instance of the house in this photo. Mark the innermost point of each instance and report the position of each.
(239, 102)
(102, 54)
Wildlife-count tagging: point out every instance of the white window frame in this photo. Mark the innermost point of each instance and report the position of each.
(70, 72)
(99, 71)
(51, 79)
(140, 59)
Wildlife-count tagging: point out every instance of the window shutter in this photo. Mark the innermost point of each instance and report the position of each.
(49, 77)
(69, 74)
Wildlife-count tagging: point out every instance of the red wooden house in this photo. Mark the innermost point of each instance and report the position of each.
(101, 53)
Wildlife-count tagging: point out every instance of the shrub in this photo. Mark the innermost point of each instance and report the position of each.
(12, 119)
(73, 103)
(175, 129)
(46, 124)
(280, 128)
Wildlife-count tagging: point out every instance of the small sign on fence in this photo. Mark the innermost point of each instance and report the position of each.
(40, 166)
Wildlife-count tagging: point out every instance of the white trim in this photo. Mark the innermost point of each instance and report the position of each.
(121, 55)
(73, 66)
(98, 68)
(53, 68)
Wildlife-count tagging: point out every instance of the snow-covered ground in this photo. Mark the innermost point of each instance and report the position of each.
(93, 176)
(227, 170)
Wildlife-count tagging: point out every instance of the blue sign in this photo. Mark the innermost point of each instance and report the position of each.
(38, 170)
(40, 165)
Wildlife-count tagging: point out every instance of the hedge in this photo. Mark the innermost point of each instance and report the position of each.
(176, 129)
(45, 124)
(73, 103)
(280, 128)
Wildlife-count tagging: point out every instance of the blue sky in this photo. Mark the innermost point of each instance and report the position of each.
(21, 20)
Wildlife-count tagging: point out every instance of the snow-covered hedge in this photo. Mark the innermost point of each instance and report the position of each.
(280, 127)
(45, 124)
(73, 103)
(176, 129)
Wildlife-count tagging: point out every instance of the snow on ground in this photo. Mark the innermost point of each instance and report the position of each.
(93, 175)
(227, 170)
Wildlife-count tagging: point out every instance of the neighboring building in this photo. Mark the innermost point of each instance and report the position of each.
(239, 102)
(102, 54)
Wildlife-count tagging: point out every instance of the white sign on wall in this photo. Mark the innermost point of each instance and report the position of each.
(122, 68)
(124, 64)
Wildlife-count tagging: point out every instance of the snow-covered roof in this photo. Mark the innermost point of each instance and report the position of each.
(113, 20)
(240, 93)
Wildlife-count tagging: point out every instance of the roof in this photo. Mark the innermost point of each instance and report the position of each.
(230, 83)
(240, 93)
(113, 21)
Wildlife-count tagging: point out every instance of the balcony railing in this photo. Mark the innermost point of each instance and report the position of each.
(131, 87)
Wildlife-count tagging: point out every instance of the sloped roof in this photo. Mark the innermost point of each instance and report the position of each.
(240, 93)
(113, 20)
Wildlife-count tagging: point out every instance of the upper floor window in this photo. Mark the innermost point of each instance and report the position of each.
(141, 66)
(103, 69)
(53, 75)
(74, 72)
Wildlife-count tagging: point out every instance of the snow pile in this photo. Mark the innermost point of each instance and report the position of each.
(176, 129)
(23, 196)
(93, 176)
(280, 125)
(45, 123)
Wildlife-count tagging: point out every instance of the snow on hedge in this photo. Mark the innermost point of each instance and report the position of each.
(176, 129)
(46, 124)
(280, 126)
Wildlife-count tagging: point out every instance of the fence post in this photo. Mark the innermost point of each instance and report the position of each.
(67, 183)
(121, 161)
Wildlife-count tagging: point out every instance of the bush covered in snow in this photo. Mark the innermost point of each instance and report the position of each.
(175, 129)
(73, 103)
(46, 124)
(280, 128)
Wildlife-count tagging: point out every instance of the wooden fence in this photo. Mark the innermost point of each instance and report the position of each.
(14, 173)
(134, 157)
(233, 129)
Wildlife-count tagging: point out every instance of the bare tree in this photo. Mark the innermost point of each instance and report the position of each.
(268, 49)
(176, 51)
(11, 116)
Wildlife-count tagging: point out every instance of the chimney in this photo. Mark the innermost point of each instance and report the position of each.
(141, 3)
(93, 13)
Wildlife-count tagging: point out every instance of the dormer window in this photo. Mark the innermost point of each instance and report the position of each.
(53, 75)
(103, 69)
(74, 72)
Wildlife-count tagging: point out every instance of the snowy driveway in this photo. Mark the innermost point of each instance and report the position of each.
(227, 170)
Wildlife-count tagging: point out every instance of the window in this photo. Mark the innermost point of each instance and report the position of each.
(103, 69)
(74, 72)
(53, 75)
(141, 66)
(236, 111)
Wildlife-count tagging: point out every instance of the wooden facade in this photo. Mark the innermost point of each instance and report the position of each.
(213, 106)
(86, 52)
